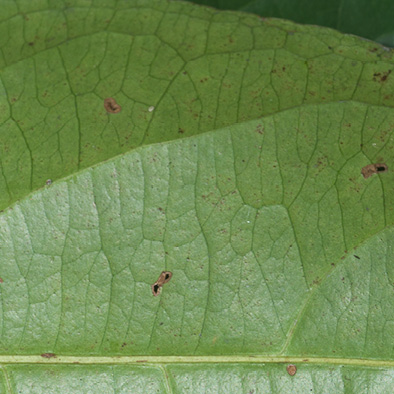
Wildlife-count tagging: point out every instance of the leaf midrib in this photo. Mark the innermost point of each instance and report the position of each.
(156, 360)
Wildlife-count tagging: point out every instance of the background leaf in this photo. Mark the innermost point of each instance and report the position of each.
(280, 250)
(199, 70)
(369, 19)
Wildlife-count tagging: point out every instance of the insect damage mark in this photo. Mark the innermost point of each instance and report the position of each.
(111, 106)
(371, 169)
(164, 277)
(48, 355)
(291, 369)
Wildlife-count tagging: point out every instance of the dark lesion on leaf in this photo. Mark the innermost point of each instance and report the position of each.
(371, 169)
(111, 106)
(381, 76)
(164, 278)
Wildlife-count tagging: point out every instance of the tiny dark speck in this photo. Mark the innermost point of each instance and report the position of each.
(356, 257)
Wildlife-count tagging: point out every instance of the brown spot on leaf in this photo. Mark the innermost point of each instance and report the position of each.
(385, 75)
(291, 369)
(371, 169)
(156, 289)
(112, 106)
(48, 355)
(1, 280)
(381, 76)
(164, 277)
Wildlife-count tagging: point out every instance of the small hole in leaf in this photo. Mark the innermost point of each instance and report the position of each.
(164, 277)
(156, 289)
(371, 169)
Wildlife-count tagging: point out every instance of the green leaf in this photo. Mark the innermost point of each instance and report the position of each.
(370, 19)
(200, 71)
(280, 250)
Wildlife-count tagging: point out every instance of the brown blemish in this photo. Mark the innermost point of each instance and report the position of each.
(48, 355)
(112, 106)
(371, 169)
(156, 289)
(381, 76)
(385, 75)
(1, 280)
(164, 277)
(356, 257)
(291, 369)
(31, 44)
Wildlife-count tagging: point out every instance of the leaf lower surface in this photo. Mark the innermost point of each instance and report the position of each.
(280, 250)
